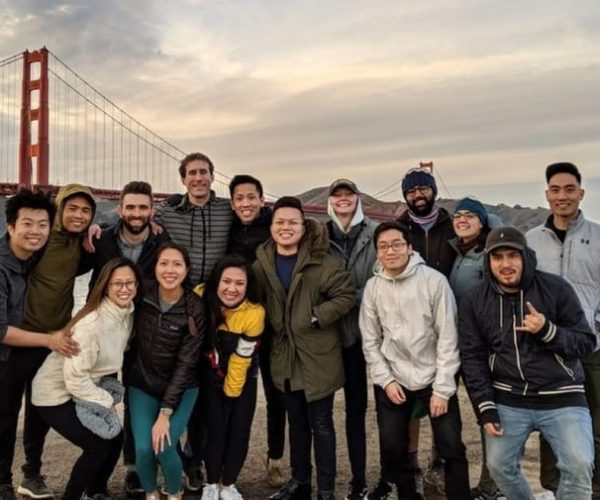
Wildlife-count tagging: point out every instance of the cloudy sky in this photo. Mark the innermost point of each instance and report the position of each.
(300, 92)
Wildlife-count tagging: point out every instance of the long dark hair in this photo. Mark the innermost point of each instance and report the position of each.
(211, 299)
(101, 287)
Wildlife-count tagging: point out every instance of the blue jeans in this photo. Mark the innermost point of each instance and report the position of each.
(569, 432)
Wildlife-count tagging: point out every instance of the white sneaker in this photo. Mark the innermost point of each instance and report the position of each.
(230, 493)
(210, 492)
(545, 495)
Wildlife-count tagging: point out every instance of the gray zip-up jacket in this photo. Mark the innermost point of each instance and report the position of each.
(577, 260)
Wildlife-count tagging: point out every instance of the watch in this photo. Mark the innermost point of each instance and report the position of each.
(314, 323)
(167, 412)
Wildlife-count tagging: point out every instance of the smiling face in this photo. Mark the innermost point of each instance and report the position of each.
(246, 202)
(135, 211)
(506, 265)
(232, 286)
(564, 196)
(420, 199)
(170, 269)
(29, 233)
(287, 229)
(393, 252)
(467, 225)
(77, 214)
(122, 286)
(198, 181)
(344, 202)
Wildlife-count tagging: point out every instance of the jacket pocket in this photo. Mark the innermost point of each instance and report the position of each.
(566, 369)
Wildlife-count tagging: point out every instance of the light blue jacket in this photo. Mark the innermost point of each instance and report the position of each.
(577, 260)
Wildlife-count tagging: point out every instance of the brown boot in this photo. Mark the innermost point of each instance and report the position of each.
(274, 472)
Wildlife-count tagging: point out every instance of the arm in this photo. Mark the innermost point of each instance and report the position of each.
(241, 359)
(59, 341)
(338, 288)
(372, 338)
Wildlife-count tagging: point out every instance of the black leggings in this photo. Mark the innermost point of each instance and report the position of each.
(93, 468)
(229, 424)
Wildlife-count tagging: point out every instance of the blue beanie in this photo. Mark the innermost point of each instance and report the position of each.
(418, 177)
(475, 207)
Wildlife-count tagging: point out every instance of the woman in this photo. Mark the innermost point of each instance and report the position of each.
(102, 328)
(235, 323)
(163, 382)
(471, 224)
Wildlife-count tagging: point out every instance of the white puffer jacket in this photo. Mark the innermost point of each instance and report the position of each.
(408, 324)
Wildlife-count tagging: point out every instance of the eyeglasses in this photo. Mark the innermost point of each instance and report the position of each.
(464, 215)
(394, 245)
(118, 285)
(420, 189)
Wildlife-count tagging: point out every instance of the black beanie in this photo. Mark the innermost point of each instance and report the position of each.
(288, 202)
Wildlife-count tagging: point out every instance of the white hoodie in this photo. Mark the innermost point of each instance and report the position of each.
(408, 325)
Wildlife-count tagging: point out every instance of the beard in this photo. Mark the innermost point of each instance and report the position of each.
(136, 229)
(422, 210)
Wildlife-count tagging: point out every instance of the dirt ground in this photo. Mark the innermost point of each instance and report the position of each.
(60, 455)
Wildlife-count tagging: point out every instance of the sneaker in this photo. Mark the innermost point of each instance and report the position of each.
(382, 490)
(133, 486)
(193, 479)
(357, 490)
(274, 472)
(230, 493)
(434, 478)
(35, 487)
(478, 494)
(292, 490)
(210, 492)
(545, 495)
(7, 492)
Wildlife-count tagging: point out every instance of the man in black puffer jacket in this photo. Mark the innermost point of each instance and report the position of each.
(522, 333)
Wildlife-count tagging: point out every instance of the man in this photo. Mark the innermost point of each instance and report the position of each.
(431, 230)
(407, 320)
(29, 218)
(522, 333)
(250, 228)
(200, 221)
(130, 237)
(350, 237)
(306, 294)
(569, 245)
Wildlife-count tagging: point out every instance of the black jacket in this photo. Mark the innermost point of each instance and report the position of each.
(107, 248)
(503, 365)
(245, 239)
(166, 354)
(433, 245)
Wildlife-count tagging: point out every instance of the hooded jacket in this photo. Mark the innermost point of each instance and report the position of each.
(202, 230)
(50, 295)
(408, 324)
(577, 260)
(503, 365)
(245, 239)
(310, 358)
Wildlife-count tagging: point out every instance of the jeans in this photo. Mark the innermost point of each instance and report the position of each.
(569, 432)
(308, 421)
(393, 421)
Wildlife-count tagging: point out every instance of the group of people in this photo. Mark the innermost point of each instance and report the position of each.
(192, 298)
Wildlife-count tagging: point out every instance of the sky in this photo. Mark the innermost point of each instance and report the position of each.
(301, 92)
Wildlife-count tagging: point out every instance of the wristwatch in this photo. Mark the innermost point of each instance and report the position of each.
(314, 322)
(167, 412)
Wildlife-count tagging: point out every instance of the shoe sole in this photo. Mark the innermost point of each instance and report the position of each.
(28, 493)
(189, 487)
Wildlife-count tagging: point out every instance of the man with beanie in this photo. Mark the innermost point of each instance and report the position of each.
(522, 333)
(306, 293)
(568, 244)
(350, 238)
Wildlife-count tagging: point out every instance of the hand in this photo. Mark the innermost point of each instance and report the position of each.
(94, 231)
(395, 393)
(160, 434)
(493, 429)
(156, 228)
(437, 406)
(61, 342)
(533, 322)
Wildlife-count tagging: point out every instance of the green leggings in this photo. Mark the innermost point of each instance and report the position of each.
(144, 411)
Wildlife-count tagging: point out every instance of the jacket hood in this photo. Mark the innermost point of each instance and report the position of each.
(529, 267)
(315, 237)
(413, 263)
(66, 192)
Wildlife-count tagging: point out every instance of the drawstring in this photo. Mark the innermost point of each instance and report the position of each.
(501, 312)
(192, 228)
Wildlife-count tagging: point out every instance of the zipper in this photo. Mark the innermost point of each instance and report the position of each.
(518, 355)
(492, 362)
(561, 362)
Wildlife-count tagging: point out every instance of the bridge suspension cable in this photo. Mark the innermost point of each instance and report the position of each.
(10, 104)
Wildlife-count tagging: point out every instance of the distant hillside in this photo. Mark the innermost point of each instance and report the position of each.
(522, 217)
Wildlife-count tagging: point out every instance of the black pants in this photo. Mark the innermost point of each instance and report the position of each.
(16, 375)
(229, 424)
(393, 423)
(275, 406)
(308, 421)
(128, 444)
(355, 393)
(93, 468)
